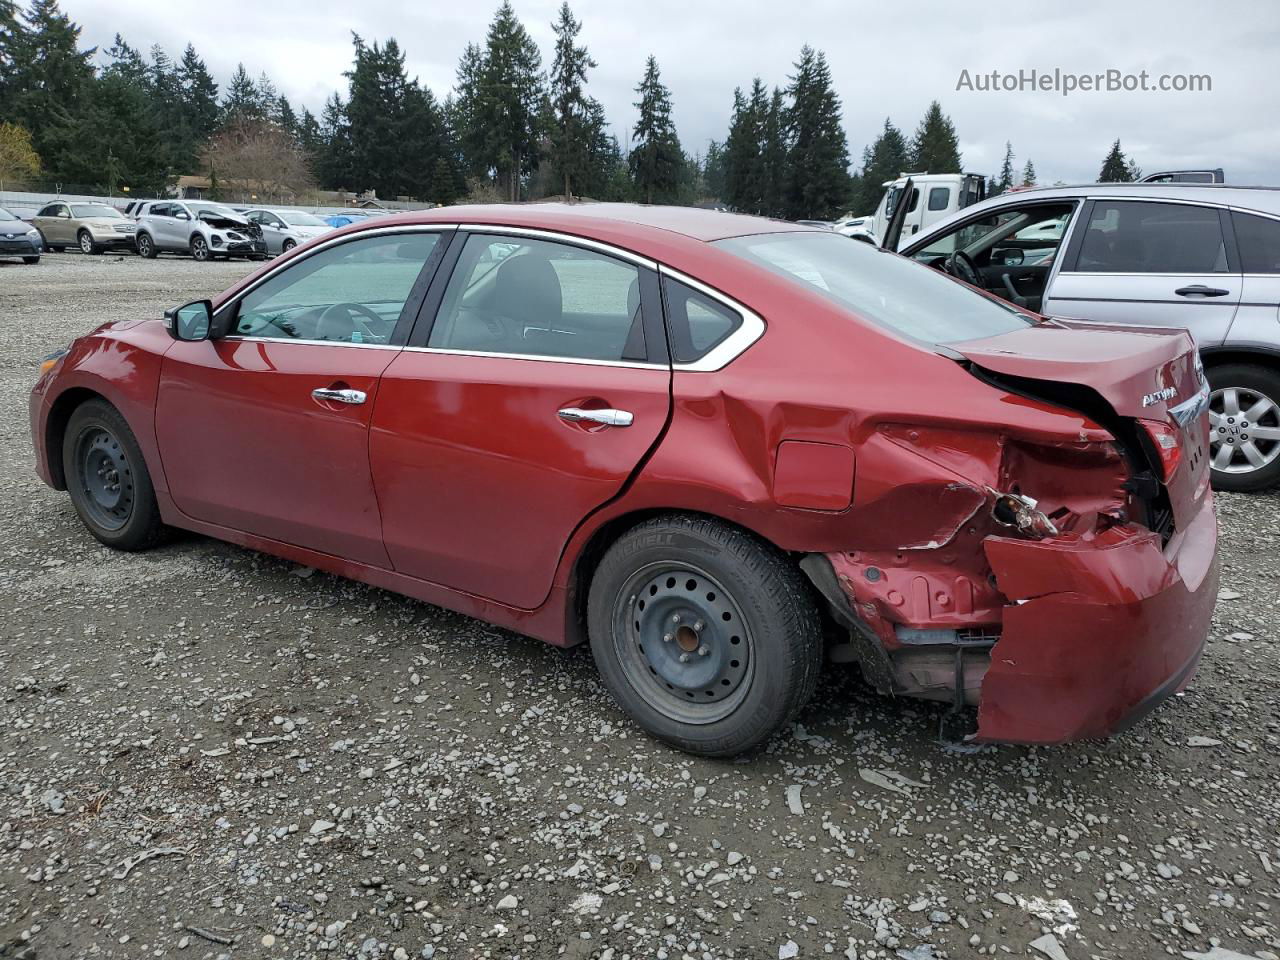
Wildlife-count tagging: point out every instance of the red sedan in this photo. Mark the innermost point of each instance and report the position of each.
(705, 443)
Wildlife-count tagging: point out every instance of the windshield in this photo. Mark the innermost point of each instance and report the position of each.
(296, 219)
(86, 211)
(906, 297)
(6, 215)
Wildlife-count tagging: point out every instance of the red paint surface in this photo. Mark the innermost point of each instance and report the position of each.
(457, 484)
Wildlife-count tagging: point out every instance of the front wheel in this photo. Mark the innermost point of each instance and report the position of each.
(1244, 427)
(31, 260)
(85, 239)
(707, 636)
(287, 246)
(107, 478)
(200, 249)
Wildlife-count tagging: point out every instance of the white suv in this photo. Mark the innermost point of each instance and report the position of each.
(204, 230)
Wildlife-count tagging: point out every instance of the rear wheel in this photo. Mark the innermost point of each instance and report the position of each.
(1244, 418)
(287, 246)
(200, 248)
(107, 478)
(707, 636)
(146, 246)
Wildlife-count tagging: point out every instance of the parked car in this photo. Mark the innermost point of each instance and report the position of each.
(93, 227)
(19, 238)
(700, 440)
(344, 219)
(1202, 257)
(285, 229)
(820, 224)
(197, 227)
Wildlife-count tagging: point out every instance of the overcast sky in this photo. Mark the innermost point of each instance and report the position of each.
(887, 60)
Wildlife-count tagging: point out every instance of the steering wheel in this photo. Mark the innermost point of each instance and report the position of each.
(329, 318)
(960, 265)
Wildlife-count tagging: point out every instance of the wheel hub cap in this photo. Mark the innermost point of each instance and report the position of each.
(684, 643)
(1244, 430)
(106, 479)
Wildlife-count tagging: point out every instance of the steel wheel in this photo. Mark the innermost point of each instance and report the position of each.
(683, 642)
(1244, 430)
(105, 476)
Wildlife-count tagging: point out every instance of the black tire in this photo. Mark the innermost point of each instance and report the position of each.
(84, 240)
(57, 249)
(200, 249)
(100, 457)
(747, 625)
(1251, 381)
(287, 246)
(31, 260)
(146, 246)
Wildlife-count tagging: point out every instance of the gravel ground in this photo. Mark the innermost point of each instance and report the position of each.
(206, 752)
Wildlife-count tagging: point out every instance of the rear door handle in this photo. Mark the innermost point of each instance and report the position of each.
(610, 418)
(339, 395)
(1200, 290)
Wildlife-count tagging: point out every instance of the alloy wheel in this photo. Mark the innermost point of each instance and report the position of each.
(1244, 430)
(200, 249)
(683, 642)
(106, 477)
(144, 246)
(86, 243)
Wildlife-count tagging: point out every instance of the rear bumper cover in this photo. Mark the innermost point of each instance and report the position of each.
(1099, 632)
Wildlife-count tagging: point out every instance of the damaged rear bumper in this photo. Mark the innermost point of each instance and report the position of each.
(1095, 631)
(1099, 632)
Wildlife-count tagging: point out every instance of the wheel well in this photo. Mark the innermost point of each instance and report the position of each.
(1217, 358)
(56, 428)
(597, 545)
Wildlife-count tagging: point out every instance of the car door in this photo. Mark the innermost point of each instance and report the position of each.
(163, 224)
(1257, 240)
(53, 222)
(265, 430)
(1159, 262)
(525, 401)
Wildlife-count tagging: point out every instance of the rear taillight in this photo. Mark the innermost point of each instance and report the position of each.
(1167, 440)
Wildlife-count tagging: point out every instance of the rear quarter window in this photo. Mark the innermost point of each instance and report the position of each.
(1259, 241)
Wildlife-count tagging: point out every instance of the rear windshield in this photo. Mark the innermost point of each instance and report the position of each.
(911, 299)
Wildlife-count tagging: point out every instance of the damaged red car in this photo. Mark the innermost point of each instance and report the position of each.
(723, 450)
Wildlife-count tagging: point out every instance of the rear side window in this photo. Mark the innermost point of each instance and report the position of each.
(939, 197)
(697, 323)
(538, 298)
(1259, 242)
(1140, 237)
(52, 210)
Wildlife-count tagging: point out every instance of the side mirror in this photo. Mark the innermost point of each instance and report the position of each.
(183, 215)
(1013, 257)
(190, 322)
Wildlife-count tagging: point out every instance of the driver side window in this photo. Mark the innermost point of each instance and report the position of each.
(350, 293)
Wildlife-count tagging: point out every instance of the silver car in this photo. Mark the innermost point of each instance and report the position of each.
(1202, 257)
(203, 229)
(285, 229)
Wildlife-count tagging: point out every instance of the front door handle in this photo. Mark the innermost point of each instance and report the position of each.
(1200, 290)
(339, 395)
(610, 418)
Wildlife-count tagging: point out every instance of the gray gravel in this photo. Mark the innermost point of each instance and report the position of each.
(206, 752)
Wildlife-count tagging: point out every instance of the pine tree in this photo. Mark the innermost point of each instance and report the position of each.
(1115, 168)
(1029, 174)
(199, 96)
(742, 155)
(1005, 180)
(1133, 170)
(883, 161)
(511, 94)
(285, 116)
(310, 138)
(375, 113)
(464, 112)
(12, 36)
(656, 158)
(713, 170)
(570, 147)
(774, 156)
(818, 155)
(334, 164)
(935, 148)
(241, 102)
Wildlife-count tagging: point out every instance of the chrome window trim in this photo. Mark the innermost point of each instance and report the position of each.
(554, 236)
(332, 242)
(731, 347)
(1154, 273)
(236, 338)
(629, 364)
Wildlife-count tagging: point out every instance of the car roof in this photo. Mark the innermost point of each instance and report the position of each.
(593, 219)
(1266, 199)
